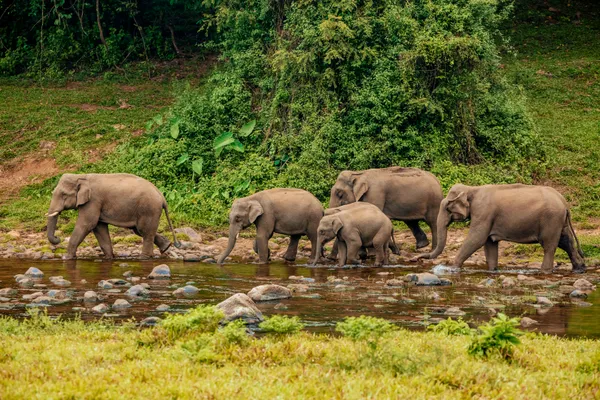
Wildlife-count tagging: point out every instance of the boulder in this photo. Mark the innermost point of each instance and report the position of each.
(269, 292)
(8, 292)
(62, 282)
(26, 282)
(584, 284)
(101, 308)
(298, 288)
(160, 272)
(90, 296)
(33, 272)
(578, 294)
(137, 290)
(58, 294)
(187, 290)
(105, 285)
(32, 296)
(120, 304)
(42, 300)
(544, 301)
(423, 279)
(150, 321)
(240, 306)
(526, 322)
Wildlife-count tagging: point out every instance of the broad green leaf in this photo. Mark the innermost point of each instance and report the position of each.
(224, 139)
(247, 128)
(197, 166)
(182, 158)
(158, 120)
(149, 125)
(237, 146)
(175, 130)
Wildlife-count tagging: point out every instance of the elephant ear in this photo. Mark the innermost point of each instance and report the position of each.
(359, 188)
(84, 191)
(336, 224)
(254, 211)
(459, 205)
(331, 211)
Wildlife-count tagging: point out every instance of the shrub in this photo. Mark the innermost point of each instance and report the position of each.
(202, 319)
(451, 327)
(499, 336)
(366, 328)
(281, 325)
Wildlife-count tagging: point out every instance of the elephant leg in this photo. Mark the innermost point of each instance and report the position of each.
(255, 248)
(160, 241)
(567, 243)
(334, 250)
(418, 233)
(549, 246)
(381, 242)
(431, 221)
(314, 257)
(353, 245)
(491, 254)
(103, 237)
(343, 253)
(363, 253)
(82, 229)
(292, 250)
(474, 241)
(262, 244)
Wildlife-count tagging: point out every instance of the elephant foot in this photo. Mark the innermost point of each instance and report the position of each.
(164, 249)
(420, 244)
(579, 270)
(289, 258)
(68, 257)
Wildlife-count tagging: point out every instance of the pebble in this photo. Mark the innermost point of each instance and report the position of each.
(118, 282)
(26, 283)
(388, 299)
(58, 294)
(188, 290)
(343, 288)
(32, 295)
(62, 283)
(137, 290)
(83, 282)
(394, 282)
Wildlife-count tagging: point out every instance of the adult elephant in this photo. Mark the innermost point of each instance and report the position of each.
(517, 213)
(123, 200)
(293, 212)
(404, 194)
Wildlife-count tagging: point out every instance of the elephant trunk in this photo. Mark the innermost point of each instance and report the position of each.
(318, 253)
(233, 234)
(52, 220)
(442, 231)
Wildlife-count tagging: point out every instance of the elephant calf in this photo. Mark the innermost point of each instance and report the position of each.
(517, 213)
(122, 200)
(293, 212)
(354, 228)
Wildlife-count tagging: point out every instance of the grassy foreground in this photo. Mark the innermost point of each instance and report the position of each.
(41, 358)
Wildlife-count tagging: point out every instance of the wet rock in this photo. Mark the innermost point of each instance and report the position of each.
(150, 321)
(8, 292)
(42, 300)
(33, 272)
(394, 282)
(423, 279)
(445, 282)
(26, 283)
(343, 288)
(187, 290)
(20, 277)
(301, 278)
(105, 285)
(135, 279)
(101, 308)
(113, 291)
(124, 265)
(582, 303)
(442, 269)
(508, 283)
(565, 289)
(137, 291)
(280, 306)
(544, 301)
(32, 296)
(90, 296)
(583, 284)
(269, 292)
(40, 286)
(127, 274)
(83, 282)
(526, 322)
(388, 299)
(298, 288)
(7, 306)
(62, 283)
(120, 304)
(163, 307)
(55, 278)
(78, 309)
(58, 294)
(160, 272)
(578, 294)
(118, 282)
(455, 311)
(240, 306)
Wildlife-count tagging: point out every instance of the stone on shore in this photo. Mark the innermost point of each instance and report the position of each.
(269, 292)
(240, 306)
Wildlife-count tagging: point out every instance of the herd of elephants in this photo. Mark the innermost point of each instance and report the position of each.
(361, 208)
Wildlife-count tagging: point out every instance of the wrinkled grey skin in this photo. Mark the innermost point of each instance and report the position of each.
(516, 213)
(122, 200)
(293, 212)
(354, 228)
(404, 194)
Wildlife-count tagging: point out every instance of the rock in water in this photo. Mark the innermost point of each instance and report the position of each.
(101, 308)
(240, 306)
(544, 301)
(120, 304)
(105, 285)
(187, 290)
(137, 290)
(8, 292)
(118, 282)
(508, 282)
(454, 311)
(423, 279)
(90, 296)
(578, 294)
(160, 272)
(298, 288)
(150, 321)
(163, 307)
(33, 272)
(58, 294)
(583, 284)
(269, 292)
(526, 322)
(26, 283)
(62, 283)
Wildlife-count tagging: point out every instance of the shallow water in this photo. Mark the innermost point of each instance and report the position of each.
(321, 307)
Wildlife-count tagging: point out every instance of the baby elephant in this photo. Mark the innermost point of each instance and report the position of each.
(293, 212)
(356, 227)
(516, 213)
(121, 200)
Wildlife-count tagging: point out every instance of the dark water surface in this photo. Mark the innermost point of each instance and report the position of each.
(321, 307)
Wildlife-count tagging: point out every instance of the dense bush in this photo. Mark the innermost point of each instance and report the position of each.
(339, 85)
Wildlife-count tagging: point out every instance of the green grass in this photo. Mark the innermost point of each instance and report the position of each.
(42, 358)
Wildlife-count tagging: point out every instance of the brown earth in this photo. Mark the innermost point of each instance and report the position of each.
(19, 173)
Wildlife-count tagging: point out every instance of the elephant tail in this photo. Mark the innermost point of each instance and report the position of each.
(166, 208)
(574, 235)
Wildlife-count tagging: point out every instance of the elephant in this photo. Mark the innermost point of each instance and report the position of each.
(123, 200)
(404, 194)
(293, 212)
(517, 213)
(357, 227)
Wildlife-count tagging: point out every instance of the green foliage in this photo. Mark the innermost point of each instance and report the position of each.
(281, 325)
(497, 337)
(201, 319)
(451, 327)
(369, 329)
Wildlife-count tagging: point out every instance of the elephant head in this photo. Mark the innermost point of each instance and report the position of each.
(455, 207)
(72, 191)
(349, 187)
(328, 229)
(244, 213)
